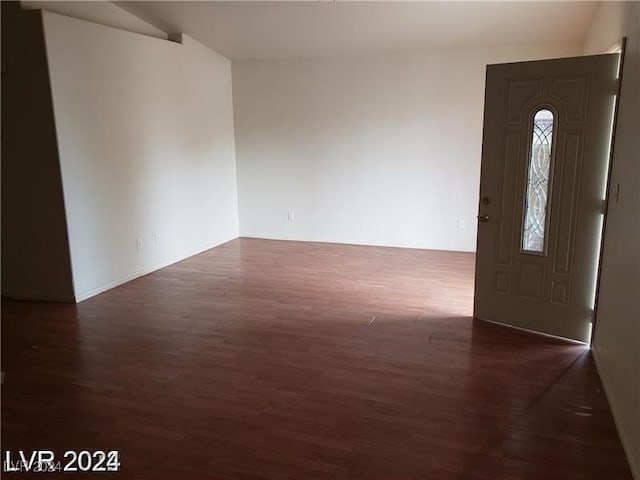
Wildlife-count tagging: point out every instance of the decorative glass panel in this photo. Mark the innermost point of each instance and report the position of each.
(535, 212)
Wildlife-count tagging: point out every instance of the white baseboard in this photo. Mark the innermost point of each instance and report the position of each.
(634, 462)
(336, 242)
(145, 271)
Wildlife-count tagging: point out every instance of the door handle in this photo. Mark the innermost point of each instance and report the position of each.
(483, 218)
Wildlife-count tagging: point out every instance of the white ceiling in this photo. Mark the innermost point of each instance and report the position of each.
(279, 30)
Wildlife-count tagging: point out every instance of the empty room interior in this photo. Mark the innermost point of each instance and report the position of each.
(261, 240)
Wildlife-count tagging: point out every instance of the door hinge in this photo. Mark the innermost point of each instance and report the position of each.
(592, 315)
(603, 206)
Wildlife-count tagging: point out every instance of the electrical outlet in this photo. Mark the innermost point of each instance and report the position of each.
(291, 216)
(139, 244)
(461, 224)
(157, 238)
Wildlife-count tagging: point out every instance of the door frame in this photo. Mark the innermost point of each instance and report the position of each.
(621, 48)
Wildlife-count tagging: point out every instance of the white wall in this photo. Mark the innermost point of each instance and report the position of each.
(606, 28)
(378, 150)
(616, 343)
(146, 144)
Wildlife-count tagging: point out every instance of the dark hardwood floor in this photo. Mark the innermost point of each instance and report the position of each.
(283, 360)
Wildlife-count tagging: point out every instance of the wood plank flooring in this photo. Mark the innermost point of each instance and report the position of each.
(287, 360)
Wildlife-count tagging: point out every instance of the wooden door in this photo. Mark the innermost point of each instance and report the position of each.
(545, 151)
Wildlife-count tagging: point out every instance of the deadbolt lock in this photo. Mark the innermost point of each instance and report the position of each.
(485, 201)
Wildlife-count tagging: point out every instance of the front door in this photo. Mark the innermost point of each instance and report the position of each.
(545, 151)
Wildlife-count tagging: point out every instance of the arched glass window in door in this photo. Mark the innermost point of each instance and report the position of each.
(538, 175)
